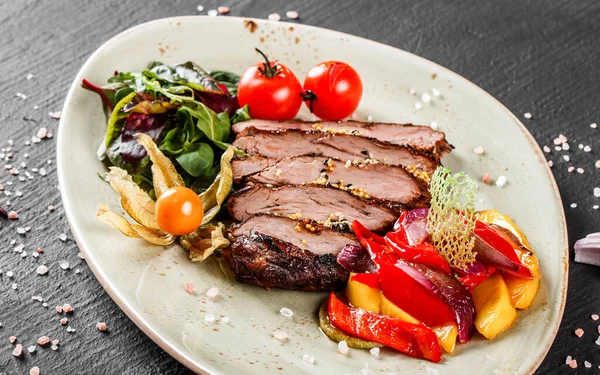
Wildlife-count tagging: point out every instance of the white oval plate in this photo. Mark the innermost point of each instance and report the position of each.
(147, 282)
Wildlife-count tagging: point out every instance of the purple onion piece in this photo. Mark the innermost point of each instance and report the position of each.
(449, 290)
(415, 226)
(475, 268)
(489, 256)
(3, 213)
(587, 250)
(355, 258)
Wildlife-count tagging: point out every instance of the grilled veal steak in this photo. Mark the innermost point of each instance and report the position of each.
(380, 181)
(420, 137)
(277, 145)
(262, 260)
(321, 241)
(331, 206)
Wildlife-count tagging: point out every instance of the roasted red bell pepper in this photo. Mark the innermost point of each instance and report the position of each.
(412, 297)
(415, 340)
(498, 242)
(424, 253)
(368, 279)
(472, 281)
(376, 245)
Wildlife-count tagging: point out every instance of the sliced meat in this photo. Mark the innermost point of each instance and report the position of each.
(330, 207)
(420, 137)
(263, 260)
(249, 165)
(380, 181)
(277, 145)
(320, 241)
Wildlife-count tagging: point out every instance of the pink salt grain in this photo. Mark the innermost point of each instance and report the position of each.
(573, 364)
(34, 371)
(189, 288)
(579, 332)
(55, 342)
(486, 178)
(43, 340)
(595, 317)
(101, 326)
(223, 10)
(67, 308)
(59, 309)
(64, 321)
(13, 215)
(12, 339)
(18, 350)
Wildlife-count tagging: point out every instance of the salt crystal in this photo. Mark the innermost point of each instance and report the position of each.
(209, 318)
(418, 106)
(41, 134)
(587, 149)
(288, 313)
(43, 171)
(435, 92)
(597, 192)
(565, 146)
(579, 332)
(223, 10)
(21, 230)
(598, 341)
(212, 12)
(63, 264)
(70, 329)
(425, 97)
(274, 17)
(13, 215)
(566, 157)
(18, 350)
(29, 76)
(501, 181)
(556, 141)
(550, 163)
(12, 339)
(343, 347)
(527, 115)
(14, 286)
(486, 178)
(434, 125)
(37, 298)
(568, 360)
(62, 237)
(50, 208)
(593, 125)
(45, 305)
(308, 358)
(200, 8)
(370, 118)
(9, 274)
(580, 146)
(280, 335)
(212, 292)
(31, 349)
(23, 254)
(55, 115)
(19, 248)
(570, 169)
(292, 14)
(101, 326)
(374, 352)
(67, 308)
(42, 270)
(21, 95)
(54, 347)
(573, 205)
(562, 138)
(189, 288)
(547, 149)
(412, 91)
(573, 364)
(63, 321)
(557, 148)
(587, 364)
(597, 164)
(479, 150)
(595, 207)
(580, 170)
(225, 320)
(595, 317)
(43, 340)
(59, 309)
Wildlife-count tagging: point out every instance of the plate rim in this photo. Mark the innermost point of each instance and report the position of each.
(145, 326)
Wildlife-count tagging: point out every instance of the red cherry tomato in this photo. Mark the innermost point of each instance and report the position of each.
(333, 90)
(179, 211)
(271, 91)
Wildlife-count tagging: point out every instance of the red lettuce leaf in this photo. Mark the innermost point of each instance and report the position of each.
(152, 125)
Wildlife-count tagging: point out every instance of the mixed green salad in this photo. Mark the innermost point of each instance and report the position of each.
(187, 111)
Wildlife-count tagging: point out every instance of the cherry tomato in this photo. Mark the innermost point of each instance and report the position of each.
(332, 90)
(271, 91)
(179, 211)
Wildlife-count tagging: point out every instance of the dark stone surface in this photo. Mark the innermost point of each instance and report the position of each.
(539, 57)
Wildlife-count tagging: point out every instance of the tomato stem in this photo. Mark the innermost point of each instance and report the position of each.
(311, 97)
(267, 70)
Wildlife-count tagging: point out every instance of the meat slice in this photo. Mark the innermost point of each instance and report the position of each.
(249, 165)
(277, 145)
(263, 260)
(330, 207)
(383, 182)
(320, 241)
(420, 137)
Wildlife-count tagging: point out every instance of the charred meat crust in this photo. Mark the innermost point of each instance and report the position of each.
(435, 143)
(262, 260)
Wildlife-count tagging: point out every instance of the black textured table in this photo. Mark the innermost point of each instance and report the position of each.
(542, 57)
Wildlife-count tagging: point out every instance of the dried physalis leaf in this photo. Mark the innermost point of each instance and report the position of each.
(155, 236)
(204, 241)
(164, 174)
(451, 217)
(215, 195)
(134, 200)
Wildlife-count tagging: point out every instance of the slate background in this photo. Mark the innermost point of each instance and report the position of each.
(539, 57)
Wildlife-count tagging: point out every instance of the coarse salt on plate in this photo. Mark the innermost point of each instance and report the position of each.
(286, 312)
(280, 335)
(189, 288)
(212, 292)
(308, 358)
(375, 352)
(343, 347)
(274, 17)
(579, 332)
